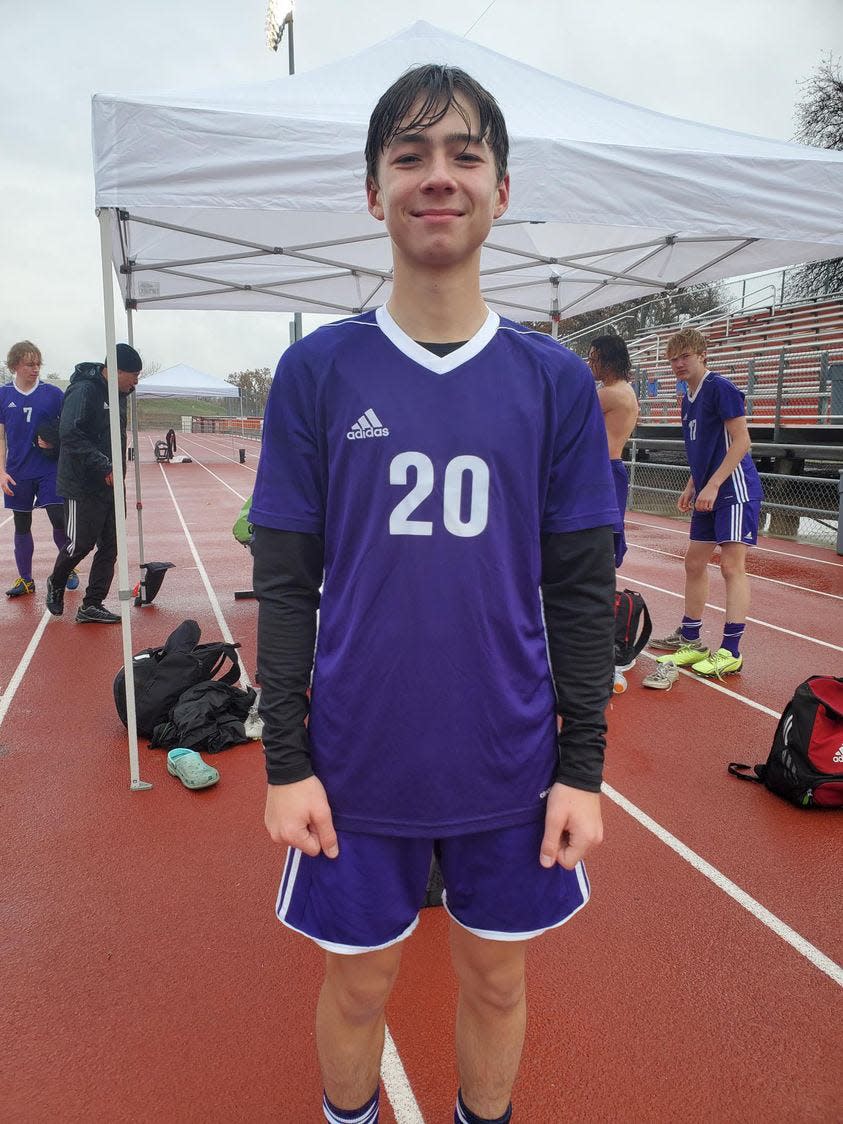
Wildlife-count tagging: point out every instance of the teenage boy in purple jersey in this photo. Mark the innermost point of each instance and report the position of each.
(437, 466)
(29, 427)
(724, 496)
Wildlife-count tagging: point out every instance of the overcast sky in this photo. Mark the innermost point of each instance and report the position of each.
(727, 63)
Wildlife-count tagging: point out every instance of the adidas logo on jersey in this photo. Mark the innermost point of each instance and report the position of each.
(367, 425)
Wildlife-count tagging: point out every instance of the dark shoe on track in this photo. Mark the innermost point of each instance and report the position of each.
(671, 643)
(96, 614)
(55, 598)
(21, 587)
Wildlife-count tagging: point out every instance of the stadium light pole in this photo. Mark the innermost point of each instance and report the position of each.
(279, 15)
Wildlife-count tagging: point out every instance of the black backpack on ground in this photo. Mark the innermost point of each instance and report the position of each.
(162, 674)
(805, 765)
(632, 628)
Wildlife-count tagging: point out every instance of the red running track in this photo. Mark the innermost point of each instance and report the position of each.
(145, 977)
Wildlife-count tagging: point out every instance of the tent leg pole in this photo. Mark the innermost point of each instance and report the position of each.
(124, 592)
(138, 493)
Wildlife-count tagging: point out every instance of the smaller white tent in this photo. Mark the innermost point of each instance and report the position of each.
(183, 381)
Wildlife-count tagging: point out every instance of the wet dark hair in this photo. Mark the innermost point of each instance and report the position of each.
(435, 88)
(612, 353)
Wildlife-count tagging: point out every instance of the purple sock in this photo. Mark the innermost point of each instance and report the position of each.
(23, 555)
(60, 538)
(690, 629)
(732, 634)
(366, 1114)
(464, 1115)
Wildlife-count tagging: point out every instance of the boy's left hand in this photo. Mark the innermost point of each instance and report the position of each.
(707, 497)
(572, 826)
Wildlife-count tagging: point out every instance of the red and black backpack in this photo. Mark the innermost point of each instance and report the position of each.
(632, 627)
(805, 765)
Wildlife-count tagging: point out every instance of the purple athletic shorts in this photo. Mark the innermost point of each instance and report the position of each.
(621, 480)
(370, 895)
(733, 522)
(30, 494)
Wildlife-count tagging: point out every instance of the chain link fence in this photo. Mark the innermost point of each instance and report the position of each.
(804, 508)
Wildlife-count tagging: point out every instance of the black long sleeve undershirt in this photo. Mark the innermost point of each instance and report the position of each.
(578, 590)
(578, 582)
(287, 576)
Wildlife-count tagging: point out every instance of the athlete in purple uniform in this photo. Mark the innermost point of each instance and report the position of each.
(444, 475)
(724, 495)
(29, 414)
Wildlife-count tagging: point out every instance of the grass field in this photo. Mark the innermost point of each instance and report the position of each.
(166, 413)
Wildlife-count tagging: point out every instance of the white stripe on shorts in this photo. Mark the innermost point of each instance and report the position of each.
(282, 905)
(292, 864)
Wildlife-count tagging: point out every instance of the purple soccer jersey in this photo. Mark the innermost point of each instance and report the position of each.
(21, 414)
(431, 480)
(707, 440)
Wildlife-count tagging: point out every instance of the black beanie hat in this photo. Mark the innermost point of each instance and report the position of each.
(127, 359)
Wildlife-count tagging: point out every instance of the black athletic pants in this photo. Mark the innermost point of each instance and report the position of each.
(90, 523)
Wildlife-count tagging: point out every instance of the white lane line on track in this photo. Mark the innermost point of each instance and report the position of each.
(394, 1076)
(751, 620)
(219, 453)
(397, 1086)
(754, 577)
(705, 681)
(206, 581)
(233, 491)
(8, 519)
(794, 939)
(766, 549)
(20, 670)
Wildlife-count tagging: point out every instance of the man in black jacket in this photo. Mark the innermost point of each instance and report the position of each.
(86, 481)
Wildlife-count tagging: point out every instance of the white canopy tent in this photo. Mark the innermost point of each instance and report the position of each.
(182, 381)
(253, 198)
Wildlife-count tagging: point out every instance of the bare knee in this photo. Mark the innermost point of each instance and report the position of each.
(731, 566)
(695, 563)
(360, 985)
(497, 983)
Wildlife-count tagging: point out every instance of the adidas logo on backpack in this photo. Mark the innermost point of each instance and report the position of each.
(805, 764)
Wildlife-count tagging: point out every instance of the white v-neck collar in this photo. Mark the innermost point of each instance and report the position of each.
(692, 397)
(26, 393)
(438, 364)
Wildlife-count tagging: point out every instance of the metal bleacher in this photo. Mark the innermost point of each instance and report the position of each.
(785, 357)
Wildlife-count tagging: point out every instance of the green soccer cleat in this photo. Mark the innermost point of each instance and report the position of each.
(21, 587)
(689, 655)
(721, 663)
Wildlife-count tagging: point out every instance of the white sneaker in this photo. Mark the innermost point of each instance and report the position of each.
(663, 677)
(254, 722)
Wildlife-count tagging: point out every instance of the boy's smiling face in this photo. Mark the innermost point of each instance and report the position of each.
(437, 191)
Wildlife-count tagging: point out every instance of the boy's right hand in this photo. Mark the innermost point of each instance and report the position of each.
(299, 815)
(686, 500)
